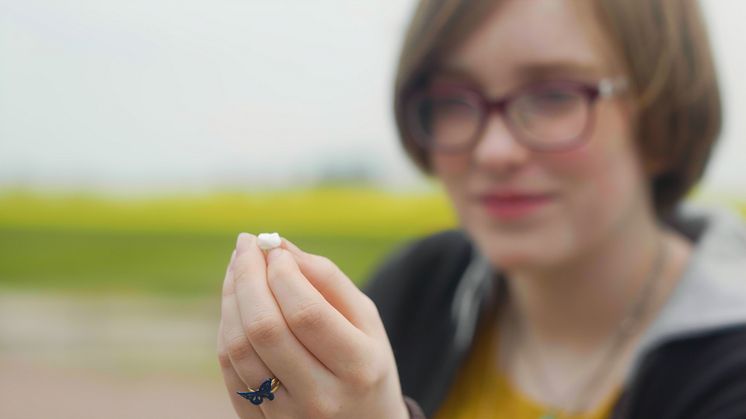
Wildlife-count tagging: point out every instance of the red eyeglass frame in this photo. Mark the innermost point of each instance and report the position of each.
(604, 88)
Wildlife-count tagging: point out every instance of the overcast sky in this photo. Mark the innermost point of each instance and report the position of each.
(141, 95)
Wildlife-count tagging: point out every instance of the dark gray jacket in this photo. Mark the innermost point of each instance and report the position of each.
(691, 363)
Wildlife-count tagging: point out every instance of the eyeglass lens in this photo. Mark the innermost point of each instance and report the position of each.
(546, 117)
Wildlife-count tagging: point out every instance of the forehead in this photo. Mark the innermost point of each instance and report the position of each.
(529, 39)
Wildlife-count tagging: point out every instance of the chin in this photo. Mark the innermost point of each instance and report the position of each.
(509, 255)
(512, 261)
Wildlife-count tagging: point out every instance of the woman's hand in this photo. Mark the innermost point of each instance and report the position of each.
(295, 316)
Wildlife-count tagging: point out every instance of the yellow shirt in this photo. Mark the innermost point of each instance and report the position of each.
(482, 391)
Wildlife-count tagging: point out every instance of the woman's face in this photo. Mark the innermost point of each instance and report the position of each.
(533, 209)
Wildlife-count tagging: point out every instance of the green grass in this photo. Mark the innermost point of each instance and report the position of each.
(167, 263)
(180, 246)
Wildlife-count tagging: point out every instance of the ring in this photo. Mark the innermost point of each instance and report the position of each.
(266, 389)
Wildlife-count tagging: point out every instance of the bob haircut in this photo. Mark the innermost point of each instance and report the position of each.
(664, 48)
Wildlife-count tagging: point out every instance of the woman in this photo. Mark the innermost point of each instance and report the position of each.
(565, 133)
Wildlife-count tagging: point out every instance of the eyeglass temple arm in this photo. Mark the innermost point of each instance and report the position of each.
(612, 86)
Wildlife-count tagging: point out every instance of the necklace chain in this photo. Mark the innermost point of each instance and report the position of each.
(615, 343)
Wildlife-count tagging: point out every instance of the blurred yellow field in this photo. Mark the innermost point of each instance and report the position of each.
(327, 211)
(180, 245)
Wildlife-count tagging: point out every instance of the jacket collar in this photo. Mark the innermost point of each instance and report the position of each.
(711, 294)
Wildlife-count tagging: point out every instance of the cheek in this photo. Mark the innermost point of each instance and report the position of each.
(604, 175)
(592, 169)
(450, 165)
(453, 170)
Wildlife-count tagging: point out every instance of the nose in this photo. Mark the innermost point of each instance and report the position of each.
(498, 151)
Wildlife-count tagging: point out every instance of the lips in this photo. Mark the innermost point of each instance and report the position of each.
(512, 205)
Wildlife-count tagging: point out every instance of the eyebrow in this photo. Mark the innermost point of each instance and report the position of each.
(544, 70)
(525, 73)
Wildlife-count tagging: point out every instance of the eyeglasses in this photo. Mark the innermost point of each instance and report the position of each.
(549, 116)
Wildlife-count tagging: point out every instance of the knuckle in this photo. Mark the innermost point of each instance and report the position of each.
(264, 329)
(237, 349)
(308, 316)
(224, 359)
(363, 377)
(326, 265)
(369, 306)
(371, 317)
(329, 269)
(319, 407)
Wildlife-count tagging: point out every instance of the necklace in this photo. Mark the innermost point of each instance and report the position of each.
(611, 350)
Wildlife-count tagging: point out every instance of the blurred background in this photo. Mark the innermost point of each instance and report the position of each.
(137, 138)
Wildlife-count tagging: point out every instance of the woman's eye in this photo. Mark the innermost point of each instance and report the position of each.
(453, 106)
(554, 96)
(553, 100)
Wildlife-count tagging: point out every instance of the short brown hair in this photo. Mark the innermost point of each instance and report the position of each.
(665, 48)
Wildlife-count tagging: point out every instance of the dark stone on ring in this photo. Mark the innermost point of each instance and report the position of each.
(266, 390)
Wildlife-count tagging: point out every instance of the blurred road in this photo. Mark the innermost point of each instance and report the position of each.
(32, 391)
(108, 357)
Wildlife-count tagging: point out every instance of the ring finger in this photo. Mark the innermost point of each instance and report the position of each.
(241, 366)
(233, 382)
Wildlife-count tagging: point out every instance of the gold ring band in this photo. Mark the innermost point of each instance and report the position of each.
(275, 384)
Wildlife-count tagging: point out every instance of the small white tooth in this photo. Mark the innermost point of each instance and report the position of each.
(267, 241)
